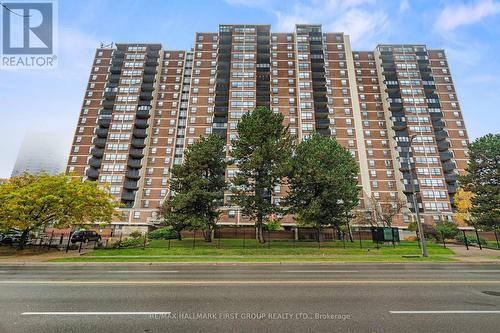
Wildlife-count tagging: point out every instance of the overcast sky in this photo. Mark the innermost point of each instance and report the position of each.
(469, 31)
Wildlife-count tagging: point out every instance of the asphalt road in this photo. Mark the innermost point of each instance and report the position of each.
(250, 298)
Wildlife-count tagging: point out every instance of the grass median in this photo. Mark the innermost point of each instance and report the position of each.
(238, 250)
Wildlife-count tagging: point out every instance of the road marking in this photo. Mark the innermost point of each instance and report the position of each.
(142, 271)
(319, 271)
(248, 282)
(445, 312)
(475, 271)
(93, 313)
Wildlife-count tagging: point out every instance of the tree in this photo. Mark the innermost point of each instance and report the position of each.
(322, 183)
(30, 202)
(446, 229)
(197, 187)
(261, 154)
(483, 180)
(463, 204)
(386, 208)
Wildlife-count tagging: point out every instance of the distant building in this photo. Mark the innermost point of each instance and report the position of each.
(40, 152)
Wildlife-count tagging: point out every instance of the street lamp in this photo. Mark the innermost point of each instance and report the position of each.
(415, 201)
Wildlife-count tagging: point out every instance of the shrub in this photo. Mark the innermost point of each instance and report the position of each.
(163, 233)
(470, 240)
(135, 234)
(273, 225)
(446, 228)
(129, 243)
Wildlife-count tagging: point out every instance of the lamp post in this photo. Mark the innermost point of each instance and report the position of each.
(415, 201)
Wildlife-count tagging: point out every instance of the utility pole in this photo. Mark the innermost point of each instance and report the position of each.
(415, 201)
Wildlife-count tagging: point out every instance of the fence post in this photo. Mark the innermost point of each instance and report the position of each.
(477, 237)
(194, 237)
(50, 240)
(444, 242)
(67, 245)
(294, 233)
(465, 240)
(80, 248)
(343, 238)
(496, 237)
(61, 239)
(360, 242)
(218, 241)
(268, 240)
(243, 238)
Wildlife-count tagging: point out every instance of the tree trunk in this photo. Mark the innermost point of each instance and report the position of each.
(179, 236)
(22, 241)
(259, 233)
(207, 234)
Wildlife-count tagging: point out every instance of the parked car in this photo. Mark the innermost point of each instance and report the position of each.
(11, 237)
(85, 236)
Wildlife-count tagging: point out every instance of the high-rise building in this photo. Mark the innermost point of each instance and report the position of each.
(41, 152)
(395, 109)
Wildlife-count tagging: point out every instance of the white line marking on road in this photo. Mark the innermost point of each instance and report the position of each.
(475, 271)
(93, 313)
(445, 312)
(143, 271)
(319, 271)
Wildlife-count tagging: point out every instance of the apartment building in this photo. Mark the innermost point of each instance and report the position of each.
(395, 108)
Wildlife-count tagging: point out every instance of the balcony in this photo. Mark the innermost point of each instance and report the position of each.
(135, 163)
(92, 173)
(140, 133)
(153, 54)
(128, 196)
(97, 152)
(438, 124)
(95, 162)
(138, 143)
(115, 69)
(136, 153)
(321, 113)
(152, 62)
(130, 185)
(99, 142)
(391, 88)
(109, 94)
(114, 78)
(443, 145)
(409, 188)
(324, 131)
(101, 132)
(441, 135)
(108, 104)
(395, 106)
(104, 122)
(399, 125)
(142, 114)
(445, 155)
(449, 166)
(450, 177)
(132, 174)
(141, 123)
(405, 167)
(429, 87)
(147, 87)
(452, 189)
(148, 78)
(105, 112)
(149, 70)
(146, 96)
(222, 132)
(220, 110)
(322, 123)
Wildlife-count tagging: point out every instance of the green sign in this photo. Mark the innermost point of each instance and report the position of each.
(388, 234)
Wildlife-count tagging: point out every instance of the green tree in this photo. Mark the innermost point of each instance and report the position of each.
(261, 154)
(483, 180)
(446, 229)
(197, 188)
(30, 202)
(322, 183)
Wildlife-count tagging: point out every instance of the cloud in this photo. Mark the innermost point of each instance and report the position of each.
(356, 18)
(404, 6)
(454, 16)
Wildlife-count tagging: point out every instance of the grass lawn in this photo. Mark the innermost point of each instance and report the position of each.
(230, 250)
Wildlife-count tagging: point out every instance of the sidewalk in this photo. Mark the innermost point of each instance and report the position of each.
(474, 254)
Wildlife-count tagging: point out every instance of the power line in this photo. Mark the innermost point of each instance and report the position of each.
(13, 12)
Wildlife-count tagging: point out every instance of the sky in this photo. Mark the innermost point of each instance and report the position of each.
(50, 100)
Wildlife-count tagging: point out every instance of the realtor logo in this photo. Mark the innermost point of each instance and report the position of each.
(28, 30)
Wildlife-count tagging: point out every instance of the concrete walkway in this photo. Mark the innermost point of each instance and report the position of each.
(474, 254)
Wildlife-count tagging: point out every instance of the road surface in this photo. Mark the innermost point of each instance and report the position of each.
(414, 297)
